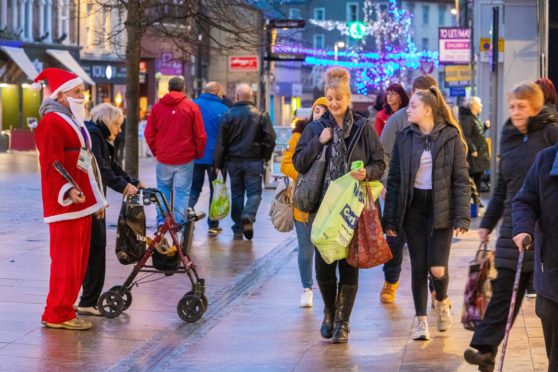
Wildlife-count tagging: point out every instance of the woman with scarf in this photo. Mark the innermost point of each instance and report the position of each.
(530, 128)
(348, 137)
(105, 125)
(428, 197)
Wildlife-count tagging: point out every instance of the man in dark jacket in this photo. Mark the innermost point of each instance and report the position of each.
(176, 136)
(534, 214)
(212, 110)
(246, 140)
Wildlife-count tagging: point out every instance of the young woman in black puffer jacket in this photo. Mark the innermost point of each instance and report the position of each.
(428, 196)
(530, 129)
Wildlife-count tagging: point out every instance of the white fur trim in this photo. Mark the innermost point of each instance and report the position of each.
(37, 86)
(64, 202)
(70, 84)
(74, 125)
(75, 215)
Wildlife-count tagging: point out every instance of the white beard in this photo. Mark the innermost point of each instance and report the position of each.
(77, 107)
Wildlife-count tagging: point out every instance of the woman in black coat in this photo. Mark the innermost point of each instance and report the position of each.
(104, 127)
(349, 137)
(428, 196)
(530, 129)
(474, 133)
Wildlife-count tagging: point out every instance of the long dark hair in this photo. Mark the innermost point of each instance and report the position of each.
(397, 88)
(300, 124)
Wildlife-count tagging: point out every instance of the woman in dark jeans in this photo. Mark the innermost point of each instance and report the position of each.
(105, 124)
(530, 128)
(428, 196)
(348, 137)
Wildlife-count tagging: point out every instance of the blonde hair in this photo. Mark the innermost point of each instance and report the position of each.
(432, 97)
(529, 91)
(107, 113)
(338, 78)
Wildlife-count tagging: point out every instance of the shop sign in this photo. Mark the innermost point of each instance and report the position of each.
(243, 63)
(486, 49)
(457, 92)
(105, 72)
(167, 65)
(458, 73)
(454, 45)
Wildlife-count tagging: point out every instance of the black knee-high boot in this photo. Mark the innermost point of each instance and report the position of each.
(329, 294)
(345, 302)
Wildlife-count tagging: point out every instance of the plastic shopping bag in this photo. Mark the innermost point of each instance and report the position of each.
(220, 205)
(130, 233)
(337, 217)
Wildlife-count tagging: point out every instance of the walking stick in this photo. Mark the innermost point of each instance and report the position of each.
(525, 245)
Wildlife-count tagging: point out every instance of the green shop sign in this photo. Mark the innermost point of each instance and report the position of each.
(357, 30)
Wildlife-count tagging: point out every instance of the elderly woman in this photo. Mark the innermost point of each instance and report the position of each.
(348, 137)
(104, 126)
(530, 128)
(474, 133)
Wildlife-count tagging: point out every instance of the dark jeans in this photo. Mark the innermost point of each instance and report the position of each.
(392, 268)
(197, 184)
(428, 247)
(477, 178)
(95, 275)
(246, 179)
(490, 332)
(547, 310)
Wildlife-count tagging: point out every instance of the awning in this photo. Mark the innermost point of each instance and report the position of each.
(20, 58)
(65, 58)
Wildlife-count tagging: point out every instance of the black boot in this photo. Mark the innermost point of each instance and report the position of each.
(485, 361)
(345, 302)
(329, 294)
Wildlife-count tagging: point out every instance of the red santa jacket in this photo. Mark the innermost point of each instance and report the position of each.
(175, 132)
(59, 138)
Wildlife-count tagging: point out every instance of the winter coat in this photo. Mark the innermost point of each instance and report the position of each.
(60, 138)
(534, 212)
(395, 124)
(288, 169)
(112, 174)
(474, 133)
(380, 121)
(246, 134)
(366, 147)
(212, 110)
(174, 131)
(451, 192)
(517, 153)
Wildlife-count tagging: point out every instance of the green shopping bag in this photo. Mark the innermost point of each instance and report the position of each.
(220, 204)
(337, 217)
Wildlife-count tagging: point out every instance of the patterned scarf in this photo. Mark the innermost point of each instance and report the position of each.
(337, 165)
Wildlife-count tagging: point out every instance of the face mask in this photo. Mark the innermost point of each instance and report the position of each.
(77, 107)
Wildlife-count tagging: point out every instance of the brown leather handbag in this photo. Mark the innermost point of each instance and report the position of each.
(368, 247)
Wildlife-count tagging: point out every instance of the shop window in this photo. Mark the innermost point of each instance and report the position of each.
(425, 14)
(319, 14)
(319, 41)
(352, 12)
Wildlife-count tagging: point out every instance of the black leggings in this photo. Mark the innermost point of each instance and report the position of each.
(428, 247)
(326, 273)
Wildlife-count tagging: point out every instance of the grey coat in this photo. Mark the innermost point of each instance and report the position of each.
(394, 125)
(451, 193)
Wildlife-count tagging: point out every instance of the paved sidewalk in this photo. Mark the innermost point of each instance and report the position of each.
(253, 322)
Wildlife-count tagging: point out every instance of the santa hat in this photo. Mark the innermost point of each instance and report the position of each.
(58, 80)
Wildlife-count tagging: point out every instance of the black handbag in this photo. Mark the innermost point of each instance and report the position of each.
(130, 233)
(306, 196)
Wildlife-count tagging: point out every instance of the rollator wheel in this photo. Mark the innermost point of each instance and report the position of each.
(203, 298)
(190, 308)
(111, 304)
(127, 296)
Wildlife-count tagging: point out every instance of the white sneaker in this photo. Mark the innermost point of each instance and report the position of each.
(421, 332)
(306, 297)
(444, 314)
(91, 310)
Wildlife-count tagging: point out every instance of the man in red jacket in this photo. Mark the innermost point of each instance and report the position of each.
(176, 136)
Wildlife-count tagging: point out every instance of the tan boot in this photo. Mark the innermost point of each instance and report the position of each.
(387, 296)
(444, 314)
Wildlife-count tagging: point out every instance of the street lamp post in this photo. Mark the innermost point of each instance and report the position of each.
(338, 45)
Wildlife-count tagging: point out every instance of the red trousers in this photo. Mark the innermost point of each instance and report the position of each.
(69, 252)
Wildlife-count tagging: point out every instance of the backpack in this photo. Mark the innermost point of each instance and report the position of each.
(478, 290)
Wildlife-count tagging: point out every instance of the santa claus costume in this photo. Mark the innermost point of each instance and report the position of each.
(61, 136)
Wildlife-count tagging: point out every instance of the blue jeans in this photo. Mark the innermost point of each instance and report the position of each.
(392, 268)
(305, 253)
(176, 179)
(246, 178)
(197, 185)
